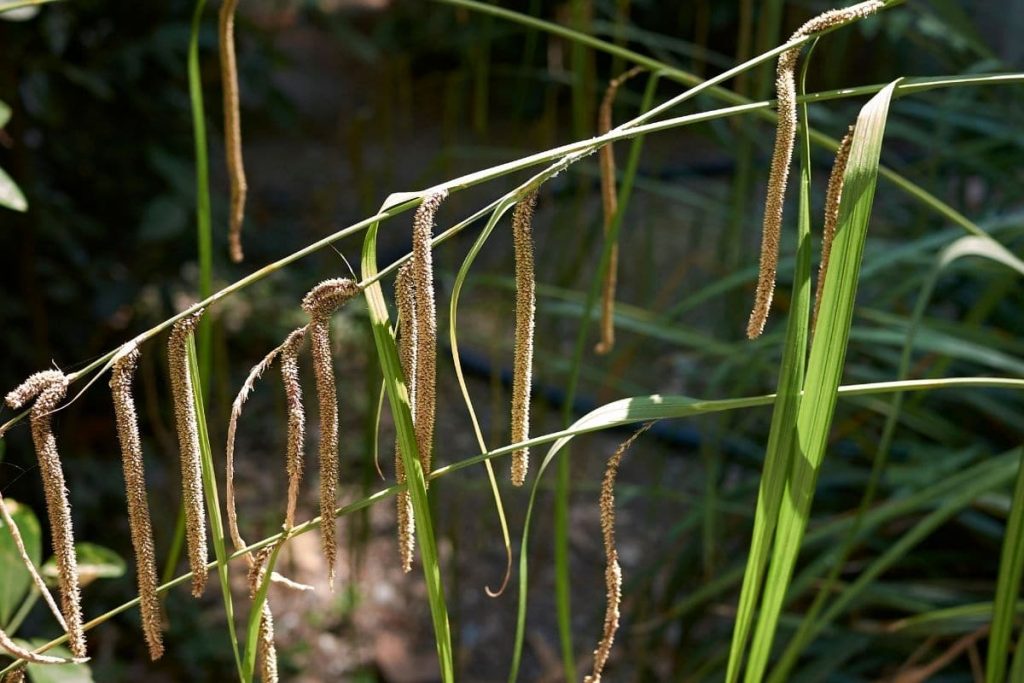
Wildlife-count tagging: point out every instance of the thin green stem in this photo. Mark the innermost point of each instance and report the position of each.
(213, 506)
(204, 236)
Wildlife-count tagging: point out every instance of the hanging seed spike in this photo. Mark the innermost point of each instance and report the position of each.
(266, 652)
(232, 127)
(785, 136)
(613, 572)
(16, 676)
(426, 327)
(778, 176)
(121, 378)
(405, 298)
(320, 302)
(327, 396)
(610, 206)
(526, 303)
(296, 419)
(49, 389)
(19, 543)
(833, 196)
(188, 442)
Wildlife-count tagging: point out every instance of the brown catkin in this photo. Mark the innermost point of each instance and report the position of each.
(833, 196)
(296, 420)
(266, 651)
(610, 206)
(121, 378)
(405, 298)
(16, 676)
(613, 572)
(182, 389)
(526, 303)
(320, 302)
(19, 543)
(49, 388)
(785, 135)
(232, 127)
(426, 326)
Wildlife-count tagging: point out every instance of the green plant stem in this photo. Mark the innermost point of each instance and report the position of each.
(204, 237)
(23, 610)
(670, 407)
(213, 506)
(398, 397)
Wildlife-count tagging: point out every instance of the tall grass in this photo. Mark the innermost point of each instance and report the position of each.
(773, 581)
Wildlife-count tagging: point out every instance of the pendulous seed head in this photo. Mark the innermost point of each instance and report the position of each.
(232, 127)
(785, 135)
(121, 379)
(613, 573)
(266, 651)
(320, 302)
(526, 303)
(833, 196)
(186, 420)
(49, 388)
(296, 419)
(422, 271)
(405, 298)
(610, 206)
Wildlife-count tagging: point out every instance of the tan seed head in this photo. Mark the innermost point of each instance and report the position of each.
(405, 298)
(121, 378)
(232, 127)
(610, 206)
(613, 573)
(833, 196)
(526, 303)
(49, 388)
(320, 302)
(426, 326)
(296, 420)
(785, 135)
(186, 420)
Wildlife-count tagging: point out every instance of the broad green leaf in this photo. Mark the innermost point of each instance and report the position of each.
(16, 579)
(781, 434)
(824, 369)
(63, 673)
(10, 194)
(94, 562)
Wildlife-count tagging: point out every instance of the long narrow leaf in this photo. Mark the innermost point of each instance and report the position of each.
(824, 370)
(398, 397)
